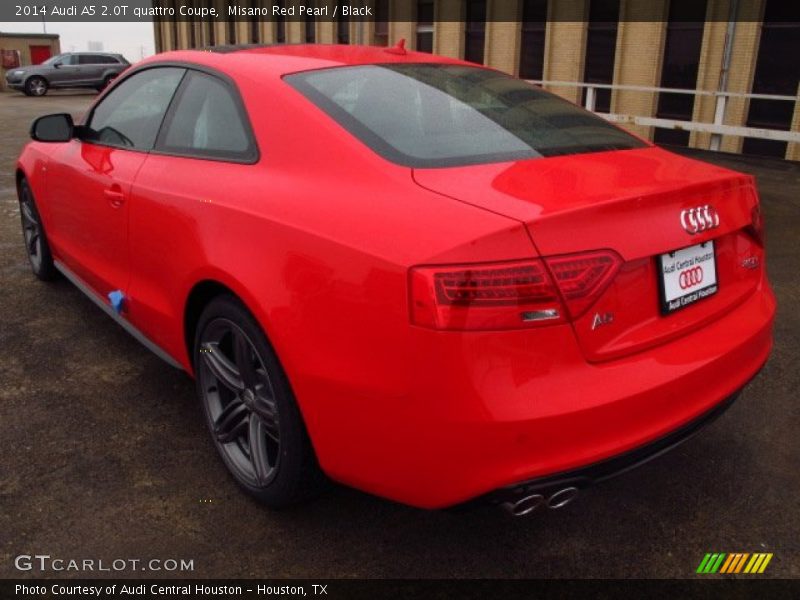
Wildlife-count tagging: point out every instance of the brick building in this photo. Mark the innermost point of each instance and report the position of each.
(20, 49)
(692, 44)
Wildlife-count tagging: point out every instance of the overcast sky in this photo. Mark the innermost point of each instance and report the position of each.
(133, 40)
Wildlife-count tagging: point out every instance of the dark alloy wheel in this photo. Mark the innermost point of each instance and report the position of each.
(36, 245)
(240, 402)
(36, 86)
(249, 408)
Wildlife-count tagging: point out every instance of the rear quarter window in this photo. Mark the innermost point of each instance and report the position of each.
(207, 120)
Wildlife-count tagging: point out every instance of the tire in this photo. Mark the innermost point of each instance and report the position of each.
(250, 409)
(106, 82)
(36, 244)
(36, 86)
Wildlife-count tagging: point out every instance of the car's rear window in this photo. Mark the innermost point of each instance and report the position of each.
(433, 115)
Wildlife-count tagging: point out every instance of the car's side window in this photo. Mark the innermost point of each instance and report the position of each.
(131, 115)
(98, 59)
(69, 59)
(207, 121)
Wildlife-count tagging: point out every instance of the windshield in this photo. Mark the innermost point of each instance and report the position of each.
(432, 115)
(53, 59)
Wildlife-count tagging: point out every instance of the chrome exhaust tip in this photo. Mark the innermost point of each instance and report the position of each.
(524, 506)
(528, 503)
(562, 497)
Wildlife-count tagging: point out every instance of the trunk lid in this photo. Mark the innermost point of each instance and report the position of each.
(629, 201)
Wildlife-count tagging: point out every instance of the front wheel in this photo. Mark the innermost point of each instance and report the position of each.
(36, 245)
(250, 409)
(36, 86)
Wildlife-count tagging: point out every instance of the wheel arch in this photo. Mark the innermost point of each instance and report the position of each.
(19, 175)
(39, 75)
(203, 291)
(26, 170)
(199, 296)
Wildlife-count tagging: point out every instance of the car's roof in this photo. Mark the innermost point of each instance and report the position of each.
(282, 59)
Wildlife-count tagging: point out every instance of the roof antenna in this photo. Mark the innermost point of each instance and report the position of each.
(399, 48)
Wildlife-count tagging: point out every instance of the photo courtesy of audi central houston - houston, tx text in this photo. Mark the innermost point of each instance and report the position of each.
(380, 298)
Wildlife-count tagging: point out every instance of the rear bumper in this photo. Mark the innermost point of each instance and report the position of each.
(611, 467)
(488, 410)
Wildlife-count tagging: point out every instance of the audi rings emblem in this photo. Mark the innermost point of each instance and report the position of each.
(700, 218)
(690, 277)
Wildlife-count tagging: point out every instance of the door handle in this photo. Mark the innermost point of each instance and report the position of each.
(114, 196)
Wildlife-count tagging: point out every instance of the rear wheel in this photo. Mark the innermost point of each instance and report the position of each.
(36, 86)
(36, 245)
(250, 409)
(106, 82)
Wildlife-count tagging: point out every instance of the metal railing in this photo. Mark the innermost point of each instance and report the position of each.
(717, 128)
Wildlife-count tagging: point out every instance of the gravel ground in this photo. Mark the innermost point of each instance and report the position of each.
(104, 454)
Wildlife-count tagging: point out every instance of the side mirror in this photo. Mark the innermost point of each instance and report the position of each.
(57, 64)
(53, 128)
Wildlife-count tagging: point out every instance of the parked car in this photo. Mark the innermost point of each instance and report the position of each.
(71, 70)
(421, 277)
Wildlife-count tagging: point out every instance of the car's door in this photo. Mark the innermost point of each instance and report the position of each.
(182, 200)
(64, 71)
(89, 179)
(92, 68)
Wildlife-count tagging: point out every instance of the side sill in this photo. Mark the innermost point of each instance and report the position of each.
(126, 325)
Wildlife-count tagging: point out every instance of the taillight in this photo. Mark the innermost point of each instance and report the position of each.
(581, 278)
(509, 295)
(756, 227)
(484, 296)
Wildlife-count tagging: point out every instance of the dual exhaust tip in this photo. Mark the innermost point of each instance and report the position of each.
(527, 504)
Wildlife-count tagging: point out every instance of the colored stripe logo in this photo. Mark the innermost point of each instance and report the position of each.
(735, 562)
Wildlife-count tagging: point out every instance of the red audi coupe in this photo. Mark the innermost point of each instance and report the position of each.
(420, 277)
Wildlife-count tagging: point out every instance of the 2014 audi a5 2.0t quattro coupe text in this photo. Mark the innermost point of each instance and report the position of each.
(423, 278)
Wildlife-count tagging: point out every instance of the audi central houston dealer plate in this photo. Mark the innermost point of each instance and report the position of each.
(687, 275)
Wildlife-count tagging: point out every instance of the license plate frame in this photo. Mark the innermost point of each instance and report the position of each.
(686, 276)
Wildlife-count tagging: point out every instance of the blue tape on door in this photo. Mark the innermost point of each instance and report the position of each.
(117, 299)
